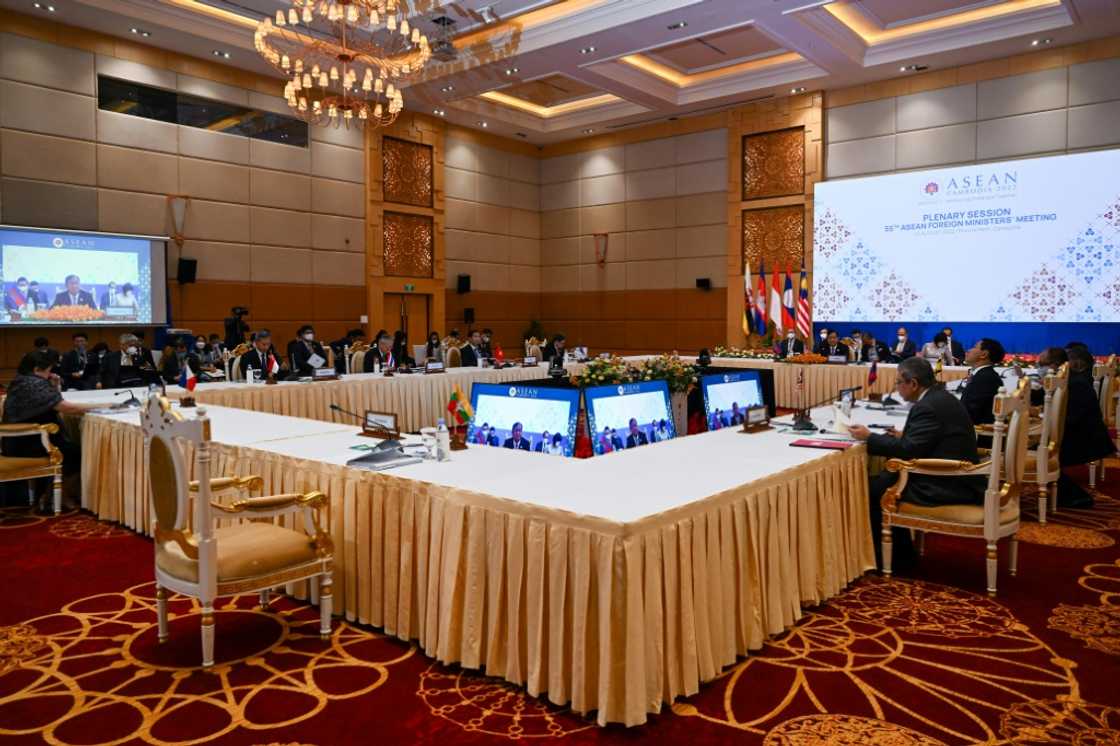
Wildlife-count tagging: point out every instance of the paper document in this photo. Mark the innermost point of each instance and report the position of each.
(841, 420)
(316, 361)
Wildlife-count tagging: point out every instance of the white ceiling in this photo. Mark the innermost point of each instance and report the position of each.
(645, 66)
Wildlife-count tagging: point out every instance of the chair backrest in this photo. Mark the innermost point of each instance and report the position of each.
(1104, 376)
(454, 357)
(357, 359)
(166, 432)
(1056, 386)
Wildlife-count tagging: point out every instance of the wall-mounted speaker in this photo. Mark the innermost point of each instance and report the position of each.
(468, 315)
(187, 270)
(463, 284)
(704, 283)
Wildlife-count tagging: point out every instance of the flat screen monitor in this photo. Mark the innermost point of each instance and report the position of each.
(63, 278)
(527, 417)
(728, 395)
(628, 415)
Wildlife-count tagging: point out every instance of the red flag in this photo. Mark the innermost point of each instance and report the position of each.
(499, 355)
(760, 301)
(873, 374)
(804, 317)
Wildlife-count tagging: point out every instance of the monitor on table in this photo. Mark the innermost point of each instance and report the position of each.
(727, 396)
(628, 415)
(524, 417)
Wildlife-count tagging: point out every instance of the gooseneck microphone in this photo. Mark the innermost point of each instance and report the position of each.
(131, 398)
(359, 418)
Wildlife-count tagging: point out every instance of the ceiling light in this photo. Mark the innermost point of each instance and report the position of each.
(483, 124)
(221, 53)
(798, 89)
(588, 131)
(44, 6)
(438, 112)
(512, 70)
(912, 68)
(140, 32)
(677, 25)
(1041, 42)
(587, 50)
(448, 88)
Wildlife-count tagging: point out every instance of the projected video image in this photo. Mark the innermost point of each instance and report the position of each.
(67, 278)
(1013, 241)
(628, 416)
(727, 396)
(525, 418)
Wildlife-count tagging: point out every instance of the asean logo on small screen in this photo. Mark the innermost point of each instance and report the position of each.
(932, 188)
(57, 242)
(726, 378)
(513, 391)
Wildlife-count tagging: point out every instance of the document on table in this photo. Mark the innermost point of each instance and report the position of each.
(316, 361)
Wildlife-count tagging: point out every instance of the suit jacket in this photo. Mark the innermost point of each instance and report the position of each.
(787, 348)
(386, 361)
(254, 359)
(909, 349)
(636, 439)
(522, 445)
(550, 352)
(1085, 438)
(469, 356)
(880, 350)
(979, 393)
(115, 376)
(301, 354)
(840, 349)
(71, 364)
(105, 299)
(938, 427)
(958, 351)
(85, 298)
(170, 369)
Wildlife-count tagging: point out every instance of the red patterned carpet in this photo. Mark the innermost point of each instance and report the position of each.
(925, 659)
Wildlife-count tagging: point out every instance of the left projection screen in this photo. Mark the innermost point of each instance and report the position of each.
(63, 278)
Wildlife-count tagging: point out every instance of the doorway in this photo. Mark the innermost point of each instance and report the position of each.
(409, 312)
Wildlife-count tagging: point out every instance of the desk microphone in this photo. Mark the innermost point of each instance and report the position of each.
(347, 412)
(131, 398)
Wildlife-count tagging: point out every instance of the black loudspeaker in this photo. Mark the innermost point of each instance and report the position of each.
(468, 315)
(188, 269)
(704, 283)
(464, 284)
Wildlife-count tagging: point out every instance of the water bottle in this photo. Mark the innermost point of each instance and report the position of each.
(376, 367)
(443, 441)
(250, 375)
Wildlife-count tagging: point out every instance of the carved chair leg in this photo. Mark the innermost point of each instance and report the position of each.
(326, 598)
(1042, 503)
(1093, 474)
(1013, 554)
(993, 568)
(57, 491)
(920, 540)
(886, 550)
(1052, 488)
(264, 599)
(161, 612)
(208, 634)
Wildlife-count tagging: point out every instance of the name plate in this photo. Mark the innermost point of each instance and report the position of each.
(757, 419)
(529, 361)
(324, 374)
(434, 366)
(380, 425)
(838, 359)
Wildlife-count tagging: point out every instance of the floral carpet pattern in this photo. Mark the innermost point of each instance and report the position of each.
(925, 659)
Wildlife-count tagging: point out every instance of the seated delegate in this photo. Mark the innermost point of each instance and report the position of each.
(938, 349)
(983, 381)
(307, 354)
(127, 366)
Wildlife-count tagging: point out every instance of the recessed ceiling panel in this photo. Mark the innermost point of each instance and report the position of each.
(716, 50)
(896, 12)
(551, 91)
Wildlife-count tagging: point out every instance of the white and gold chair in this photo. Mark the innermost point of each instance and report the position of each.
(1104, 383)
(358, 357)
(208, 562)
(454, 357)
(233, 362)
(1044, 467)
(20, 468)
(997, 518)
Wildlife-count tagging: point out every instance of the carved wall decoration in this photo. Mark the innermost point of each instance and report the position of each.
(774, 163)
(774, 235)
(408, 245)
(406, 169)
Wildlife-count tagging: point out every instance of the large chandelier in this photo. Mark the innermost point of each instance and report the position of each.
(344, 59)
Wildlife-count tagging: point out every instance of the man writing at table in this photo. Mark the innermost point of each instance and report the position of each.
(260, 357)
(938, 427)
(382, 354)
(515, 441)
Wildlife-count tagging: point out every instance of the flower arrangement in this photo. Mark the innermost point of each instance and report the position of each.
(680, 376)
(600, 371)
(763, 353)
(1021, 360)
(68, 313)
(807, 358)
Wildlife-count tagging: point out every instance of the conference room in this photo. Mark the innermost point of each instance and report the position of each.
(573, 371)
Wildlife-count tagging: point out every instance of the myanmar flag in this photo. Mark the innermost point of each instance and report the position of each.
(459, 407)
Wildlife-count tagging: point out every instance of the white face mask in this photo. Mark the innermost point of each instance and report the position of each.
(131, 350)
(791, 337)
(824, 336)
(941, 346)
(200, 345)
(901, 337)
(309, 336)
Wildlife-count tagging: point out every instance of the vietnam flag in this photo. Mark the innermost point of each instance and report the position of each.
(459, 408)
(187, 377)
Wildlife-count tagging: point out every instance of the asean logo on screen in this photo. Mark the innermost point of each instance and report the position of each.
(726, 378)
(512, 391)
(57, 242)
(932, 188)
(621, 390)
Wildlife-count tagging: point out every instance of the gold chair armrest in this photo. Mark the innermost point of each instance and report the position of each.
(274, 504)
(220, 484)
(27, 428)
(940, 467)
(984, 429)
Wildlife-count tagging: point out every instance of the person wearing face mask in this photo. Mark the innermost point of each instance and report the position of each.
(904, 347)
(79, 367)
(307, 354)
(109, 297)
(856, 348)
(822, 342)
(791, 345)
(125, 367)
(832, 346)
(955, 347)
(938, 349)
(18, 297)
(174, 358)
(484, 348)
(873, 350)
(434, 349)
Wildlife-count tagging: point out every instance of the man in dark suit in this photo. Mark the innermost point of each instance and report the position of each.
(79, 369)
(904, 347)
(938, 427)
(833, 346)
(381, 353)
(616, 440)
(172, 362)
(127, 367)
(515, 441)
(542, 444)
(109, 297)
(471, 352)
(873, 350)
(353, 337)
(34, 293)
(260, 356)
(954, 346)
(554, 349)
(636, 437)
(73, 295)
(1085, 438)
(983, 381)
(305, 346)
(791, 345)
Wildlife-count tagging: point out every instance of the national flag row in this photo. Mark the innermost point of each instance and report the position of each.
(782, 310)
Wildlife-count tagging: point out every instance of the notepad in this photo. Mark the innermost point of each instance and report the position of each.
(830, 445)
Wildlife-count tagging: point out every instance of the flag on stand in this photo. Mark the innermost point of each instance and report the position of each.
(748, 301)
(873, 374)
(760, 301)
(273, 366)
(937, 368)
(187, 378)
(788, 310)
(804, 318)
(459, 407)
(499, 355)
(776, 302)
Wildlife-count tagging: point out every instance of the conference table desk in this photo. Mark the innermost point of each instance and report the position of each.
(417, 399)
(613, 584)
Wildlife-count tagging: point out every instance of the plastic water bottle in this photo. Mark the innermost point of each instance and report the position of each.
(250, 375)
(443, 441)
(376, 367)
